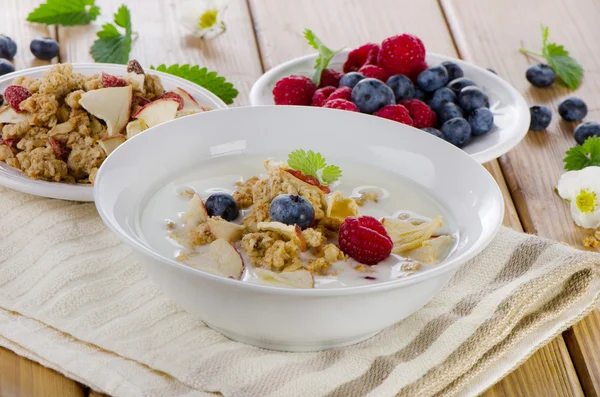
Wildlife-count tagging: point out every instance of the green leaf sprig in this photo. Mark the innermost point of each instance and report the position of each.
(314, 164)
(567, 68)
(65, 12)
(582, 156)
(112, 46)
(326, 54)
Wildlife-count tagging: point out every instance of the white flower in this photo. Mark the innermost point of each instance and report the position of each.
(204, 18)
(582, 189)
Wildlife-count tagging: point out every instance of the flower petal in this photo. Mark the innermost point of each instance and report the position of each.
(589, 220)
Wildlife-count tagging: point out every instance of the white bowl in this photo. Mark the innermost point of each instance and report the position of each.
(511, 112)
(296, 319)
(15, 179)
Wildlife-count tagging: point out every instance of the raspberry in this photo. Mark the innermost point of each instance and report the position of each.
(321, 96)
(108, 80)
(413, 74)
(61, 150)
(421, 114)
(330, 77)
(175, 97)
(395, 112)
(341, 104)
(14, 95)
(140, 100)
(363, 55)
(365, 240)
(401, 54)
(374, 71)
(341, 93)
(294, 90)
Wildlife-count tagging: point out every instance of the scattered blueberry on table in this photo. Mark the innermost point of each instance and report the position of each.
(585, 130)
(572, 109)
(541, 117)
(540, 75)
(8, 47)
(44, 48)
(6, 67)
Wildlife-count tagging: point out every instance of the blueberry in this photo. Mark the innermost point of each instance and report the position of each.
(8, 47)
(481, 121)
(44, 48)
(540, 75)
(572, 109)
(292, 209)
(402, 86)
(448, 111)
(441, 96)
(458, 84)
(350, 79)
(471, 98)
(586, 130)
(6, 67)
(223, 205)
(420, 94)
(457, 131)
(371, 95)
(432, 78)
(1, 99)
(540, 117)
(454, 71)
(492, 70)
(434, 132)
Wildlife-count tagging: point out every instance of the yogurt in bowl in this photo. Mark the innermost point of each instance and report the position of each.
(416, 178)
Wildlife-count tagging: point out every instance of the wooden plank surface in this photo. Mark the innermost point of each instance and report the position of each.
(533, 168)
(279, 27)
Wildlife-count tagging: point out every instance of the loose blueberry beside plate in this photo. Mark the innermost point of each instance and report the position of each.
(351, 79)
(572, 109)
(541, 117)
(6, 67)
(447, 111)
(454, 71)
(371, 95)
(457, 131)
(44, 48)
(481, 121)
(586, 130)
(223, 205)
(8, 47)
(471, 98)
(402, 86)
(433, 78)
(292, 209)
(540, 75)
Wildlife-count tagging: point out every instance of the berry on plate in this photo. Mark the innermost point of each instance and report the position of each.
(44, 48)
(442, 96)
(401, 54)
(457, 131)
(572, 109)
(363, 55)
(540, 75)
(585, 130)
(330, 77)
(371, 95)
(365, 240)
(6, 67)
(292, 209)
(223, 205)
(434, 132)
(341, 93)
(454, 71)
(458, 84)
(374, 72)
(421, 95)
(447, 111)
(8, 47)
(471, 98)
(341, 104)
(395, 112)
(433, 78)
(351, 79)
(481, 121)
(402, 86)
(108, 80)
(416, 71)
(541, 117)
(421, 114)
(321, 96)
(294, 90)
(14, 95)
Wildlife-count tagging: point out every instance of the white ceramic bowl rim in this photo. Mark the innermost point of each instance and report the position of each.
(488, 236)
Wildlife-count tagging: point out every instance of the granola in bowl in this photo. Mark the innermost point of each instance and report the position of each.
(61, 126)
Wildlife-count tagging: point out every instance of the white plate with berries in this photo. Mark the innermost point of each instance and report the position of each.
(42, 158)
(466, 105)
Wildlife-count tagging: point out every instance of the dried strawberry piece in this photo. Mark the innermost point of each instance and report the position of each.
(61, 150)
(15, 94)
(135, 67)
(175, 97)
(11, 142)
(309, 179)
(140, 101)
(108, 80)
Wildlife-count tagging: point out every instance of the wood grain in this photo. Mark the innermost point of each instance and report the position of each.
(162, 39)
(20, 377)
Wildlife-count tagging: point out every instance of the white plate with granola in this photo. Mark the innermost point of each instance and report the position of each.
(296, 249)
(60, 122)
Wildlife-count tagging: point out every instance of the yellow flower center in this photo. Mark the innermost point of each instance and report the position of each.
(208, 19)
(586, 201)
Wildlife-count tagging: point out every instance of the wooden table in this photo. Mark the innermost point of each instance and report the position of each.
(264, 33)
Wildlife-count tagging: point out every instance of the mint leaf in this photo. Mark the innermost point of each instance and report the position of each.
(586, 155)
(65, 12)
(326, 54)
(111, 46)
(314, 164)
(216, 84)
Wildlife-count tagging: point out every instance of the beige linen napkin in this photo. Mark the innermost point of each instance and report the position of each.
(73, 298)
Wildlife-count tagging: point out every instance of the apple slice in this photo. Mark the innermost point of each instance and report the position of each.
(341, 207)
(189, 103)
(157, 112)
(109, 144)
(196, 213)
(9, 116)
(136, 81)
(135, 127)
(290, 232)
(299, 278)
(185, 112)
(222, 259)
(222, 229)
(113, 105)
